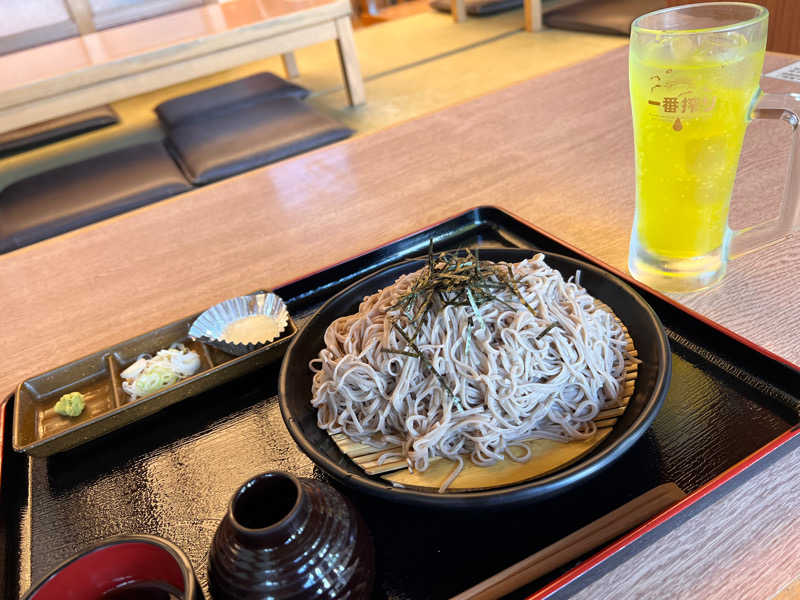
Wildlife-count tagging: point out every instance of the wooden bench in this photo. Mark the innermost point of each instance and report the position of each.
(96, 68)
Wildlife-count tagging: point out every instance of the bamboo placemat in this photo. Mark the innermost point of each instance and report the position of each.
(547, 457)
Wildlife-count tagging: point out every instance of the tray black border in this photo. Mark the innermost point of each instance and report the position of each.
(781, 373)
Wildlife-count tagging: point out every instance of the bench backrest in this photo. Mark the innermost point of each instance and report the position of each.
(25, 23)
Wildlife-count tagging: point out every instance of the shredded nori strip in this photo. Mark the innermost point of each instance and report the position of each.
(450, 279)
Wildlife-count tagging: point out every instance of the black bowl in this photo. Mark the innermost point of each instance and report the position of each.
(652, 382)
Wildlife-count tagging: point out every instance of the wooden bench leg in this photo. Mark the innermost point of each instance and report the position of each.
(290, 65)
(458, 9)
(81, 13)
(533, 15)
(349, 58)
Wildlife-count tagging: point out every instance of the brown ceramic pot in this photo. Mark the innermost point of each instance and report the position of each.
(285, 537)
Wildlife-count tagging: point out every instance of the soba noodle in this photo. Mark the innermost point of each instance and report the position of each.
(512, 375)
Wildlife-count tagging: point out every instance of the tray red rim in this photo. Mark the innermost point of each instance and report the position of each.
(691, 498)
(688, 501)
(626, 277)
(660, 519)
(3, 406)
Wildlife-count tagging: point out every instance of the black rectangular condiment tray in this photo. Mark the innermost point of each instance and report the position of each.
(40, 431)
(172, 474)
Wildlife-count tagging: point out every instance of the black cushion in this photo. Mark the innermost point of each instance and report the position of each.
(601, 16)
(207, 103)
(53, 130)
(478, 8)
(76, 195)
(250, 136)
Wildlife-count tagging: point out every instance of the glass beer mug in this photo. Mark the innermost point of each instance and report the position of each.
(694, 84)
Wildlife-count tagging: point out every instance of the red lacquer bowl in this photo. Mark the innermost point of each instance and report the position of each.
(119, 568)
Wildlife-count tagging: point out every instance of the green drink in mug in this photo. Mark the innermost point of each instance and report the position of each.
(694, 75)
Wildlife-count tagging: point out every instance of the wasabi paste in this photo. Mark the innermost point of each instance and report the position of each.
(70, 405)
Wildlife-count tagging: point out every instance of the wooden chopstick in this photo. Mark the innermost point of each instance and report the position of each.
(582, 541)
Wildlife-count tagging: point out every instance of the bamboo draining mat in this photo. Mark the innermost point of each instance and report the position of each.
(548, 455)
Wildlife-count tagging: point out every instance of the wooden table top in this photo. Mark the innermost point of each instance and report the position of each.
(556, 150)
(42, 71)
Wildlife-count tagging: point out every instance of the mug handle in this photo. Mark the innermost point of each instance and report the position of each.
(787, 108)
